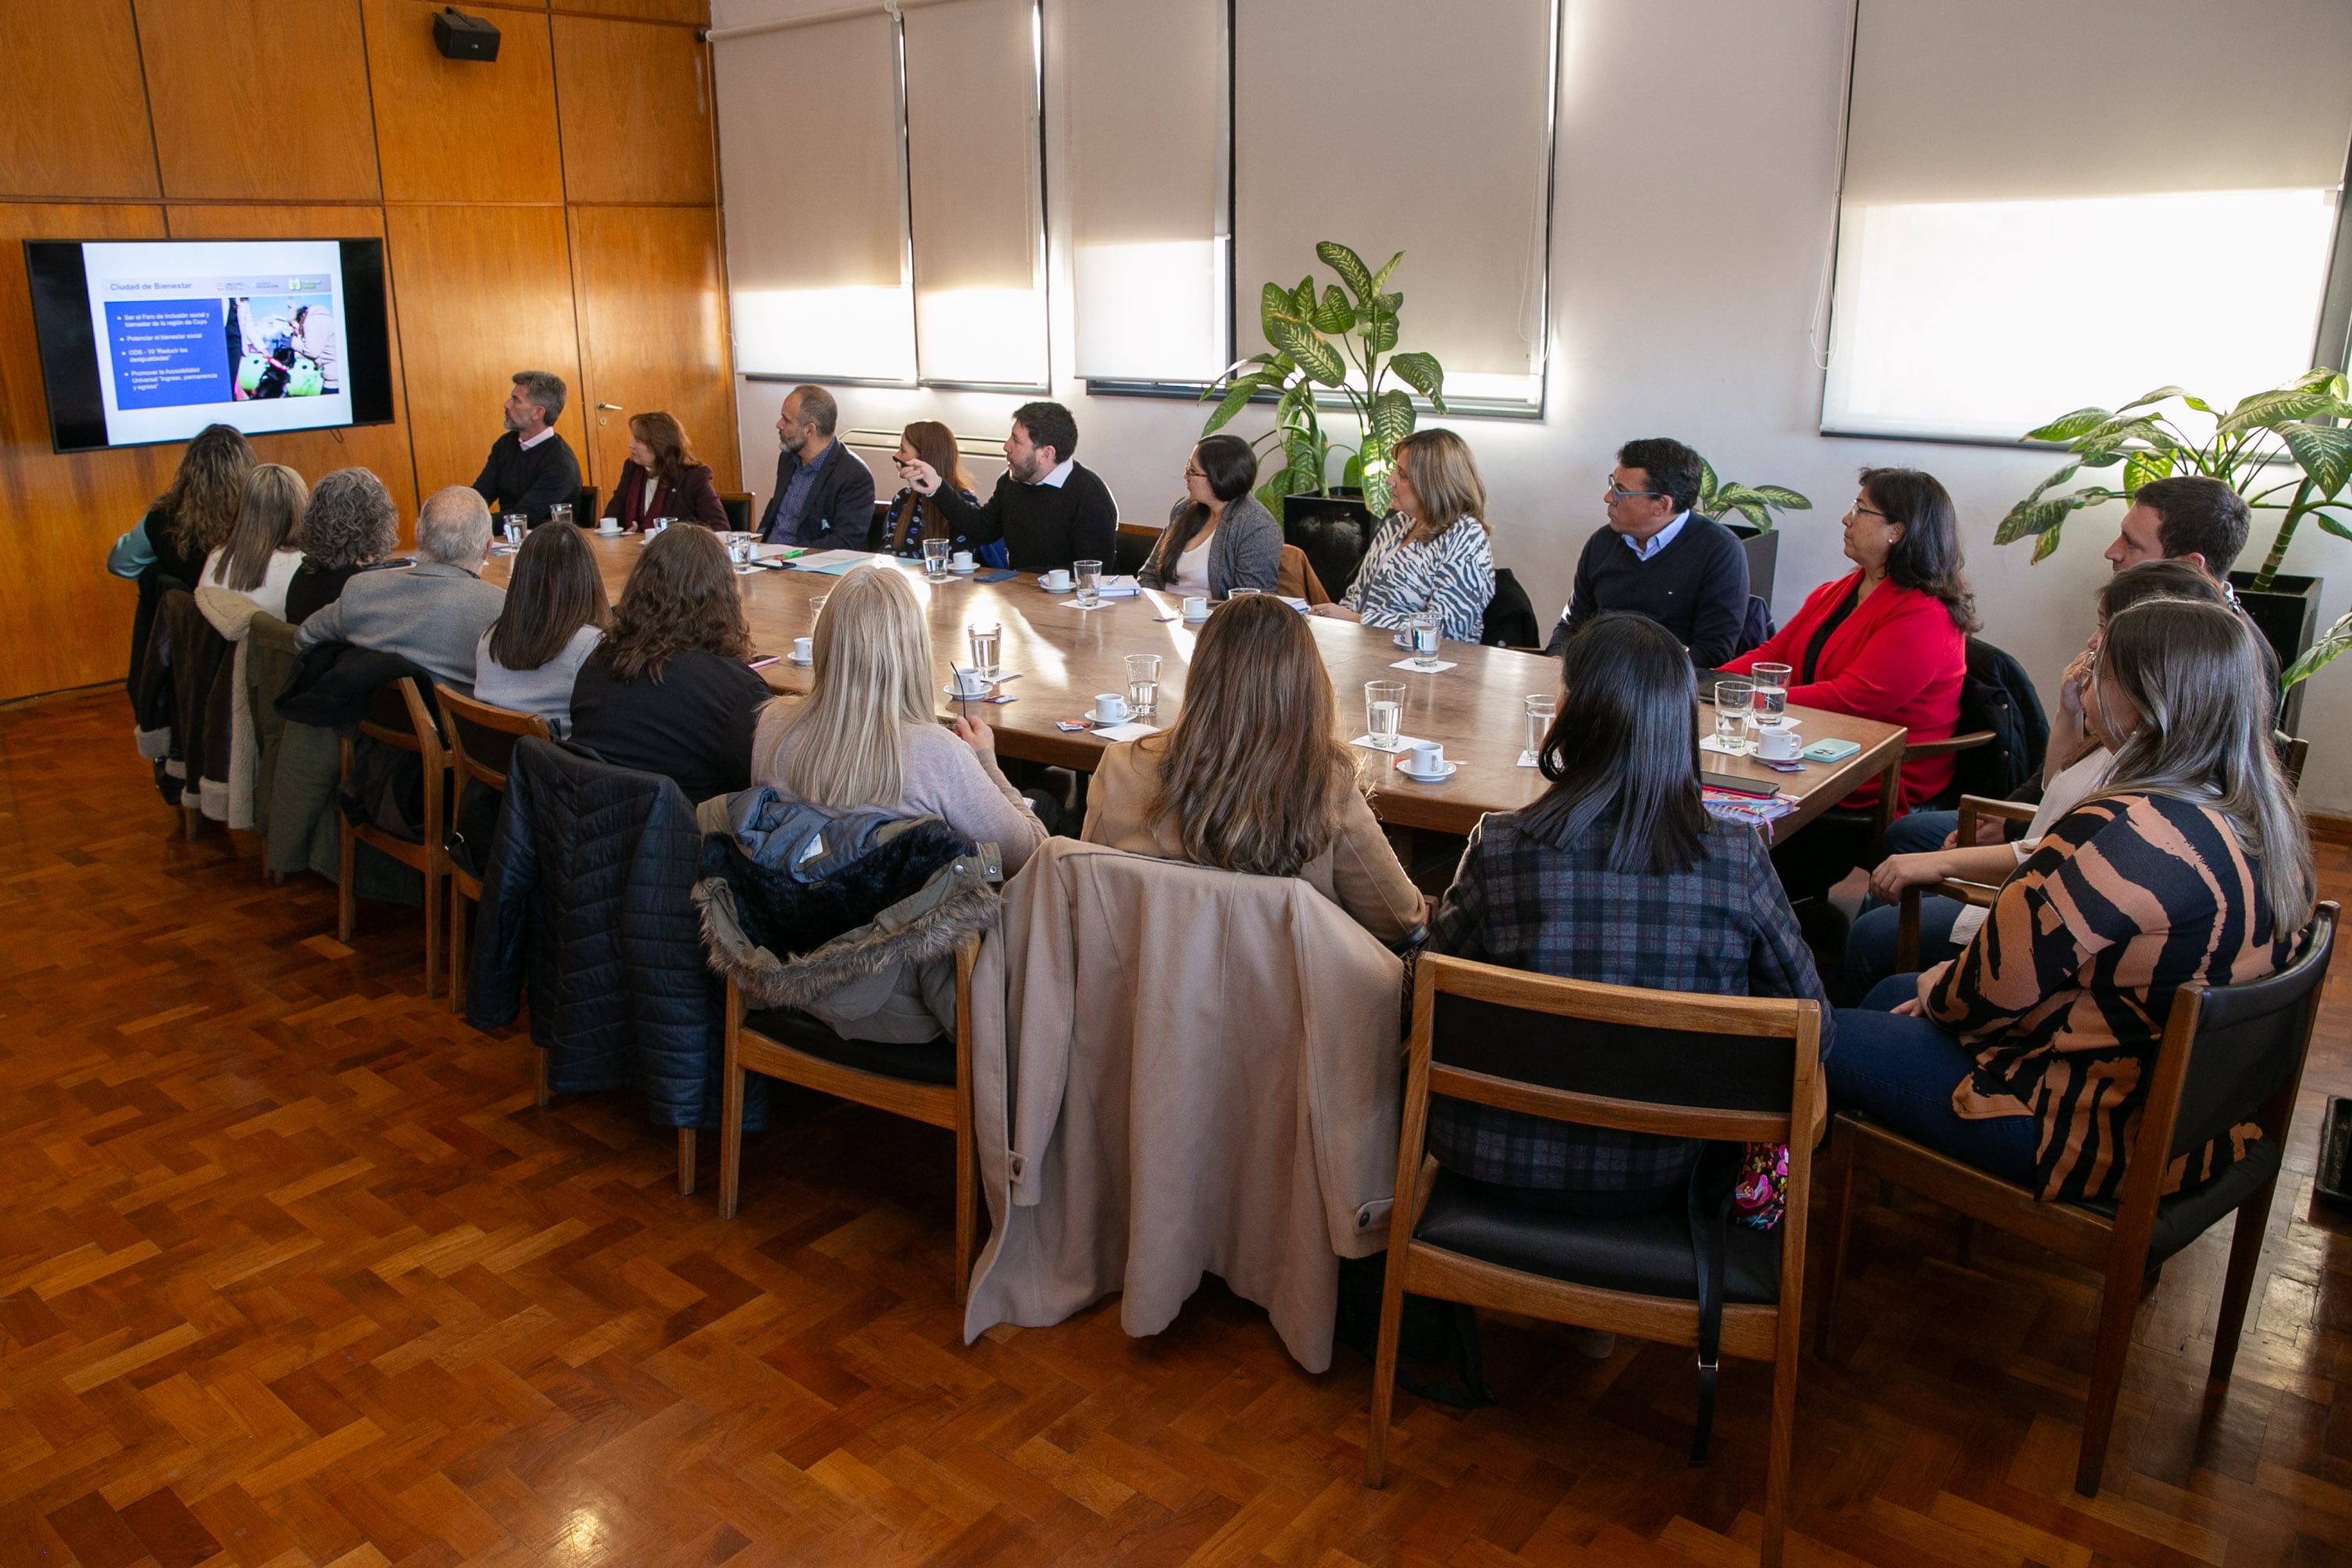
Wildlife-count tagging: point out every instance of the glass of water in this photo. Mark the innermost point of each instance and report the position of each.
(738, 551)
(1542, 708)
(1423, 629)
(1088, 576)
(935, 559)
(1733, 700)
(560, 512)
(816, 608)
(1771, 699)
(986, 639)
(1143, 684)
(517, 526)
(1384, 707)
(656, 525)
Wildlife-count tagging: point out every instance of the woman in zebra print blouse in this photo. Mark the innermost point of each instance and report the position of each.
(1429, 557)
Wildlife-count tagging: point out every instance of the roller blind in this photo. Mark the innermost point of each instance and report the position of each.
(977, 183)
(816, 202)
(1408, 121)
(2049, 206)
(1149, 126)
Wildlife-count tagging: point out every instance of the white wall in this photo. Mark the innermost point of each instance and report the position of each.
(1692, 226)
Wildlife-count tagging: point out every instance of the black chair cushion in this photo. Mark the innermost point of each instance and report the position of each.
(1645, 1255)
(2186, 1215)
(933, 1061)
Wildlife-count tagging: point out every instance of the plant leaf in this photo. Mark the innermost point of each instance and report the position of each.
(1393, 417)
(2144, 468)
(1334, 315)
(2158, 396)
(1234, 401)
(1783, 498)
(1380, 278)
(1706, 483)
(2324, 450)
(2066, 427)
(2323, 653)
(1297, 337)
(2269, 410)
(1422, 373)
(2039, 516)
(1349, 265)
(2327, 524)
(1380, 330)
(2046, 544)
(1302, 299)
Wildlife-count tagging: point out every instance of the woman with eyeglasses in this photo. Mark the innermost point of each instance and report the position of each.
(2027, 1056)
(1887, 641)
(1219, 537)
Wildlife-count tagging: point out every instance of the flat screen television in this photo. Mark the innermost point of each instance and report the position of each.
(151, 340)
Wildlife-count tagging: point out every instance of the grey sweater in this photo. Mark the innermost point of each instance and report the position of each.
(1244, 552)
(547, 690)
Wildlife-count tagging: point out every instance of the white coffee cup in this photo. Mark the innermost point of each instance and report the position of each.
(1058, 580)
(1780, 746)
(1427, 758)
(1196, 609)
(960, 560)
(608, 525)
(968, 681)
(804, 649)
(1110, 708)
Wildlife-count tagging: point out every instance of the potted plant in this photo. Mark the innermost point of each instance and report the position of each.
(2272, 449)
(1340, 342)
(1755, 504)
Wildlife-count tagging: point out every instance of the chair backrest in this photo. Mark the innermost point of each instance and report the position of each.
(482, 737)
(1334, 532)
(1295, 577)
(583, 510)
(738, 506)
(1132, 547)
(1667, 1062)
(1510, 615)
(397, 716)
(1998, 695)
(2293, 750)
(1755, 627)
(2248, 1040)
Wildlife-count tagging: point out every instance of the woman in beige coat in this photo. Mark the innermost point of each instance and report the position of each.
(1252, 778)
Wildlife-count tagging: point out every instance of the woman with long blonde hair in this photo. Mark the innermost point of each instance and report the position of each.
(1252, 777)
(260, 557)
(865, 739)
(1431, 555)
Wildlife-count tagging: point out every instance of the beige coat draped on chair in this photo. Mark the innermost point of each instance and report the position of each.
(1176, 1071)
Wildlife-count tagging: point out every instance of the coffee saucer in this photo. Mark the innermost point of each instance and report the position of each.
(950, 690)
(803, 663)
(1438, 777)
(962, 571)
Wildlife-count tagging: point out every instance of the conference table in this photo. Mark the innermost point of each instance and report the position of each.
(1060, 657)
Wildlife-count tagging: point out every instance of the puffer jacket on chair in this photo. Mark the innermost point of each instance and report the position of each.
(587, 904)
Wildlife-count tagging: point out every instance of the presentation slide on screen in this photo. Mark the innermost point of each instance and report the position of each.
(246, 333)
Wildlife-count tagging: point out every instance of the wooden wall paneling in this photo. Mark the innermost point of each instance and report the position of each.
(463, 131)
(695, 11)
(484, 291)
(78, 133)
(653, 329)
(69, 624)
(261, 99)
(634, 101)
(381, 448)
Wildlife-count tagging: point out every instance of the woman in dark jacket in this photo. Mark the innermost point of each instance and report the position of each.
(912, 517)
(1617, 875)
(193, 517)
(668, 691)
(663, 477)
(1218, 538)
(350, 526)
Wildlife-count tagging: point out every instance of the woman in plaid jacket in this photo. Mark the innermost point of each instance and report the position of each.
(1617, 875)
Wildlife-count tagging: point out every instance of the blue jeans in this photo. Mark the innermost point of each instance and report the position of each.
(1870, 945)
(1900, 1073)
(1920, 831)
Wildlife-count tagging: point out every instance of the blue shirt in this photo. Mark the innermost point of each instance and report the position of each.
(1643, 549)
(796, 494)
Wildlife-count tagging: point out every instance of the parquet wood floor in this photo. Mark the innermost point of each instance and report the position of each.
(293, 1272)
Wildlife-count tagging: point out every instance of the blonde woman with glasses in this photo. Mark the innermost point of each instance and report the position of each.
(865, 739)
(1431, 555)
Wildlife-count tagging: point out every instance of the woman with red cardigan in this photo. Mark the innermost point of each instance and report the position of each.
(1887, 641)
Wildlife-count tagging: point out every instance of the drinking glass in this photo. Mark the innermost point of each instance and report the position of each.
(1088, 575)
(986, 639)
(560, 512)
(518, 525)
(1143, 684)
(1542, 708)
(1384, 707)
(656, 525)
(1425, 640)
(738, 551)
(816, 608)
(1733, 702)
(935, 559)
(1771, 699)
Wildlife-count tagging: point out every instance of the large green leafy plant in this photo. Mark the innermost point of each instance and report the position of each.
(1757, 503)
(1340, 340)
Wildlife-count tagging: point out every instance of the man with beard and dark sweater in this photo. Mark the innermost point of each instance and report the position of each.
(531, 469)
(1658, 558)
(1048, 510)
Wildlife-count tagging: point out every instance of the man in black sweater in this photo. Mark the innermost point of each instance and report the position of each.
(1048, 510)
(531, 469)
(1657, 558)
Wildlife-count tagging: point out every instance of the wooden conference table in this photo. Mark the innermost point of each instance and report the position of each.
(1064, 656)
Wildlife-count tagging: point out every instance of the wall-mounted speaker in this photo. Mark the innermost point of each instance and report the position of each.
(464, 38)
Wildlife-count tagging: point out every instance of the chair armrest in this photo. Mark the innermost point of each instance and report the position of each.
(1976, 893)
(1915, 749)
(1973, 806)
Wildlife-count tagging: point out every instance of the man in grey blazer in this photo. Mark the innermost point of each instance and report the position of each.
(434, 613)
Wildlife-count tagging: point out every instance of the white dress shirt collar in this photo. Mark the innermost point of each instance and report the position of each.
(1646, 548)
(535, 441)
(1060, 475)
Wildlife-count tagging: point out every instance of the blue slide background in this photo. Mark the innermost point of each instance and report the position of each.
(168, 352)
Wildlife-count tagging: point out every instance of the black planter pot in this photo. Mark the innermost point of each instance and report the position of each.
(1333, 530)
(2288, 613)
(1763, 557)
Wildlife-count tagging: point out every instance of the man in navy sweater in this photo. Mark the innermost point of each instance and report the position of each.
(1659, 559)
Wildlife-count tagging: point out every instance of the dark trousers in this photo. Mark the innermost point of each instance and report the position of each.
(1901, 1072)
(1870, 945)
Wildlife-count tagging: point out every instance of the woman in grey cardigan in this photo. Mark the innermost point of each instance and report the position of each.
(1219, 538)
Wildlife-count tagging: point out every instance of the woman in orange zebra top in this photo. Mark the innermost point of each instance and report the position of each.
(2027, 1054)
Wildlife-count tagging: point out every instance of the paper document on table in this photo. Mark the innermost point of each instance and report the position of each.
(1133, 731)
(1402, 743)
(834, 562)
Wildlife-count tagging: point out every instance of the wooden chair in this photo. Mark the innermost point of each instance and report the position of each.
(930, 1082)
(1727, 1068)
(481, 744)
(1891, 781)
(400, 718)
(2230, 1054)
(1973, 809)
(1296, 579)
(737, 505)
(1132, 547)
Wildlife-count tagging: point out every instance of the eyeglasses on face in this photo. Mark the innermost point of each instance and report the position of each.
(1193, 473)
(1619, 492)
(1858, 510)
